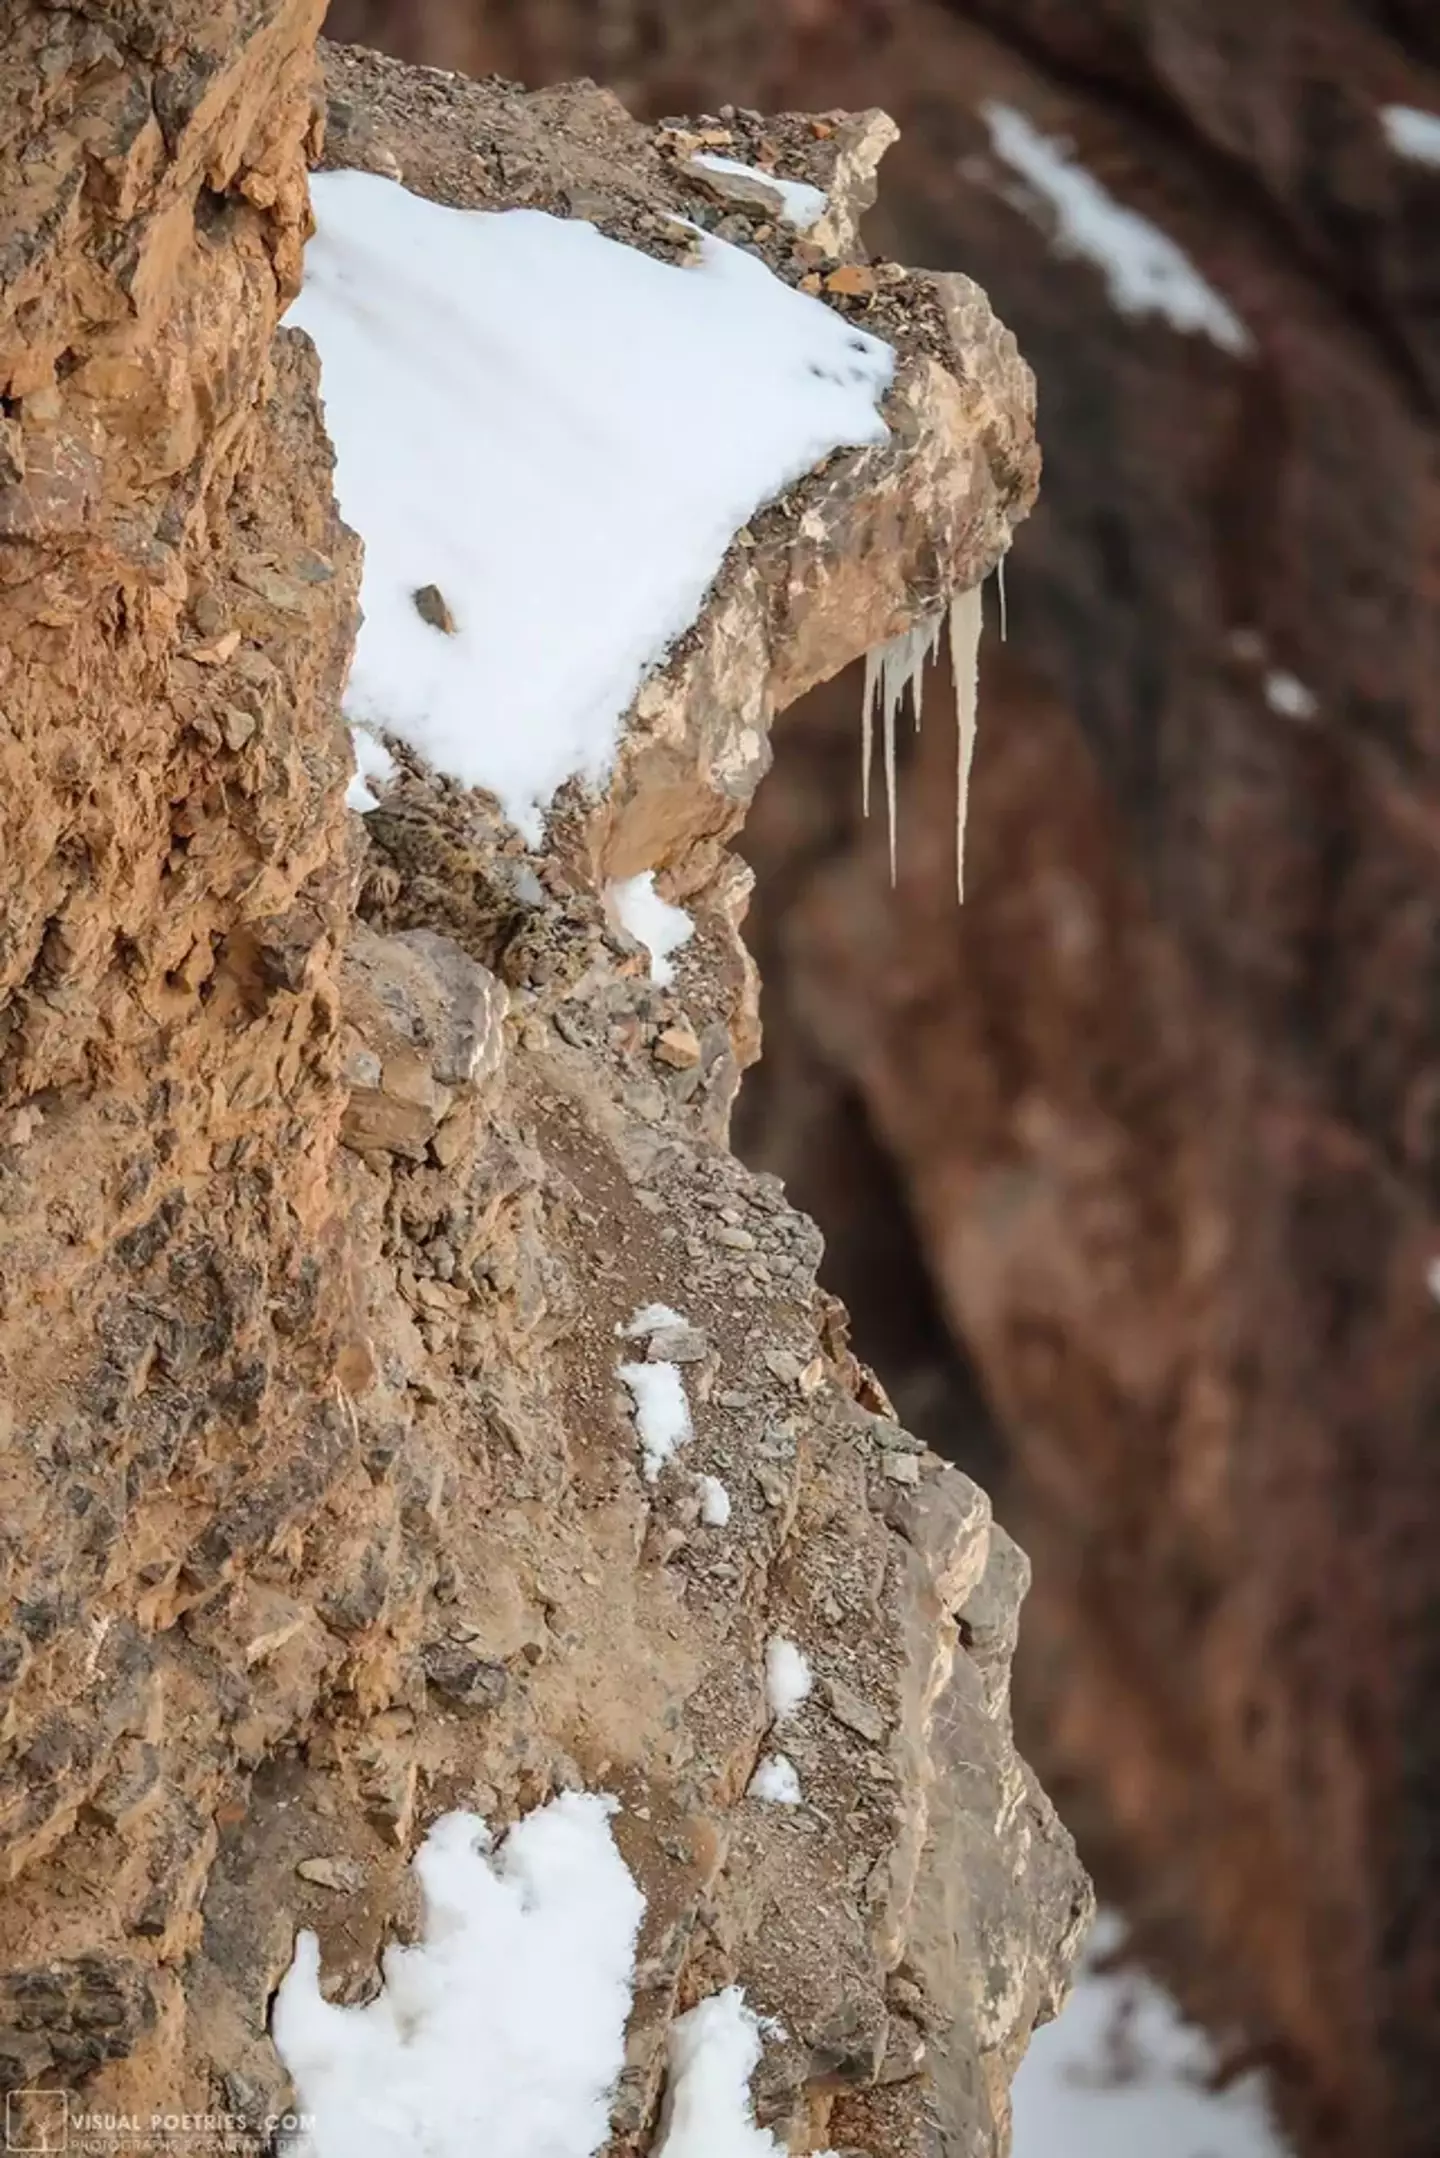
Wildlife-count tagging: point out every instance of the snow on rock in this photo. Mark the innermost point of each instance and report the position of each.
(1119, 2074)
(372, 761)
(714, 2051)
(503, 2029)
(788, 1677)
(714, 1503)
(547, 442)
(651, 921)
(1146, 273)
(1412, 134)
(801, 205)
(776, 1782)
(662, 1413)
(653, 1319)
(1287, 695)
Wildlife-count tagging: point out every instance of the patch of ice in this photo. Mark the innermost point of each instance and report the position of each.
(1145, 272)
(1411, 133)
(714, 2051)
(372, 761)
(776, 1782)
(503, 2028)
(1287, 695)
(651, 921)
(662, 1413)
(801, 205)
(714, 1503)
(1119, 2074)
(562, 436)
(788, 1677)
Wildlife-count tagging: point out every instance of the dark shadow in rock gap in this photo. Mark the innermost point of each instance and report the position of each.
(801, 1119)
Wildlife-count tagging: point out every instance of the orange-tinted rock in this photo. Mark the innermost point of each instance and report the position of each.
(324, 1512)
(1164, 1101)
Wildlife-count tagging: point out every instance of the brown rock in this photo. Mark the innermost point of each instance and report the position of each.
(678, 1046)
(852, 281)
(847, 1707)
(746, 190)
(344, 1875)
(320, 1513)
(431, 606)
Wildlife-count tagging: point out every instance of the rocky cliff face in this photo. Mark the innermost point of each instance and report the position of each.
(1162, 1104)
(332, 1158)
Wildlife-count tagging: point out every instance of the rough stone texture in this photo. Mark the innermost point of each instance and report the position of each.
(1163, 1103)
(334, 1159)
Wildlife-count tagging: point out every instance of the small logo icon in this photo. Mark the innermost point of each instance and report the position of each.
(37, 2120)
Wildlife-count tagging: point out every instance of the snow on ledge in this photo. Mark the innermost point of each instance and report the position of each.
(651, 1319)
(651, 921)
(788, 1677)
(801, 205)
(776, 1782)
(1412, 134)
(547, 442)
(503, 2029)
(662, 1413)
(714, 2051)
(372, 761)
(714, 1503)
(1146, 273)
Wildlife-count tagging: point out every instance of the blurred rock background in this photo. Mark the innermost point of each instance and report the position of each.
(1130, 1171)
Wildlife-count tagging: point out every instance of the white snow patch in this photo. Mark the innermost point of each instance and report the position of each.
(776, 1782)
(652, 1319)
(1119, 2074)
(801, 204)
(788, 1677)
(1287, 695)
(1146, 273)
(1412, 133)
(662, 1413)
(372, 761)
(714, 1503)
(503, 2029)
(714, 2051)
(563, 435)
(651, 921)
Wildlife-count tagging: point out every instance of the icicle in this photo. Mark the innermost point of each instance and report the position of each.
(927, 635)
(1004, 610)
(891, 669)
(867, 729)
(893, 688)
(965, 621)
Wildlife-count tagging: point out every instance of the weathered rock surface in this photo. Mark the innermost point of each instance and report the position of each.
(1163, 1103)
(333, 1161)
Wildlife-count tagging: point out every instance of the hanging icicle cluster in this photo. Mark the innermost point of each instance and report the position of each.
(898, 666)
